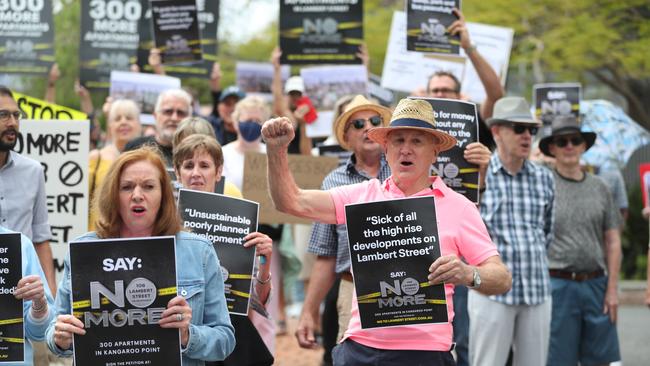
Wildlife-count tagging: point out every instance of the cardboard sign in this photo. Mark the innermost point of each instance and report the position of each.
(308, 172)
(26, 37)
(644, 173)
(141, 88)
(320, 31)
(12, 326)
(39, 109)
(460, 120)
(335, 151)
(225, 221)
(427, 22)
(176, 30)
(119, 292)
(556, 99)
(208, 17)
(392, 244)
(62, 148)
(325, 85)
(109, 39)
(255, 78)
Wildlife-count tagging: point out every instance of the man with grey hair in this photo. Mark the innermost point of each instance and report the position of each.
(171, 107)
(518, 210)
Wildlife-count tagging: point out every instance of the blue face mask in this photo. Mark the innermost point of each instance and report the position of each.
(250, 130)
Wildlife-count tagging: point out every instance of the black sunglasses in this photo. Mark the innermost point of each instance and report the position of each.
(563, 141)
(519, 129)
(361, 122)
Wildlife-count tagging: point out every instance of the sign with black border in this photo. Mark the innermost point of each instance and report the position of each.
(12, 325)
(428, 23)
(225, 221)
(119, 291)
(392, 244)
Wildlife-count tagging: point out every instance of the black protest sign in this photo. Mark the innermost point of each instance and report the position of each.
(12, 331)
(109, 39)
(392, 245)
(556, 99)
(208, 17)
(460, 120)
(176, 30)
(320, 31)
(119, 292)
(225, 221)
(26, 37)
(428, 22)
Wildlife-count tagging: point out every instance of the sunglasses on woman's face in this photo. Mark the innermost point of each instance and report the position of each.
(519, 129)
(361, 122)
(564, 141)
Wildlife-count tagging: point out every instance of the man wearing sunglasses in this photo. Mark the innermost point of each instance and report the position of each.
(172, 106)
(328, 241)
(584, 257)
(517, 208)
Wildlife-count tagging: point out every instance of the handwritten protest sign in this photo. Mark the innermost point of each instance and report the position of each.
(62, 149)
(39, 109)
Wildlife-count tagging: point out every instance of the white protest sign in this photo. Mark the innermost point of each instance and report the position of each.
(494, 44)
(324, 85)
(143, 89)
(62, 148)
(256, 78)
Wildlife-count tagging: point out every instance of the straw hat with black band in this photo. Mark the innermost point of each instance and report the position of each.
(413, 114)
(357, 104)
(565, 125)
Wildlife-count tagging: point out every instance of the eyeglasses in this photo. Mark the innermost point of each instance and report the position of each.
(361, 122)
(179, 112)
(443, 91)
(5, 114)
(563, 141)
(519, 129)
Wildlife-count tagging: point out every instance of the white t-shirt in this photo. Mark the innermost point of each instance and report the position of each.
(233, 164)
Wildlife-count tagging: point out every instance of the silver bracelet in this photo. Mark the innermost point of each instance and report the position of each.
(38, 309)
(257, 278)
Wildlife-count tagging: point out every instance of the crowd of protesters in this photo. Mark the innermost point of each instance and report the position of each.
(530, 273)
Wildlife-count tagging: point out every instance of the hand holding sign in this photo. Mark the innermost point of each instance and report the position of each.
(65, 326)
(458, 28)
(450, 269)
(31, 288)
(177, 315)
(278, 132)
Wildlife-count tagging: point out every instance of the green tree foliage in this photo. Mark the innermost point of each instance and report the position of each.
(608, 39)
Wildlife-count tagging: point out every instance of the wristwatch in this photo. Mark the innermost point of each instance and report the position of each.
(476, 281)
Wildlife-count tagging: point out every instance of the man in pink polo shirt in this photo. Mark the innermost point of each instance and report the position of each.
(411, 144)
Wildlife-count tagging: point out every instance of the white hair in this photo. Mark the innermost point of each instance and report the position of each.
(174, 93)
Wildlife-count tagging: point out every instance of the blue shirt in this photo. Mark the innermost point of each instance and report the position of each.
(212, 337)
(34, 328)
(518, 211)
(22, 198)
(332, 240)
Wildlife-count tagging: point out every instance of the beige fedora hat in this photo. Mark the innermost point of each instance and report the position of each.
(358, 103)
(413, 114)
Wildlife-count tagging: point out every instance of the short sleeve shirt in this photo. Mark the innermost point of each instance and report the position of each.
(461, 232)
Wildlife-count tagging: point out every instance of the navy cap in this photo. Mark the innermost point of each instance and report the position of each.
(232, 91)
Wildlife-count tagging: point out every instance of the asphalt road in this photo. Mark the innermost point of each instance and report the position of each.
(634, 335)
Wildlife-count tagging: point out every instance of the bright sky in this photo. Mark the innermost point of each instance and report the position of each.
(242, 22)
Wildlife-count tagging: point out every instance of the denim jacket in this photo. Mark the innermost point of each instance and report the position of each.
(212, 337)
(34, 328)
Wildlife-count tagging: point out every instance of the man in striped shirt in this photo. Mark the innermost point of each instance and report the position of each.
(518, 210)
